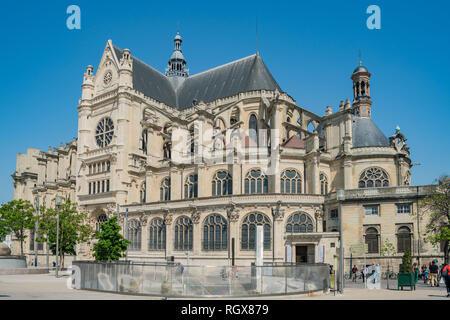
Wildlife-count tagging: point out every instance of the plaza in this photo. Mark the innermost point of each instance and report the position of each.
(47, 287)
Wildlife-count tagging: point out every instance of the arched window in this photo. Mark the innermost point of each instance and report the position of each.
(248, 231)
(144, 140)
(253, 128)
(403, 239)
(183, 234)
(165, 190)
(157, 235)
(363, 88)
(256, 182)
(191, 187)
(143, 193)
(100, 219)
(134, 235)
(407, 179)
(291, 182)
(192, 138)
(215, 233)
(373, 178)
(323, 184)
(372, 240)
(299, 223)
(222, 184)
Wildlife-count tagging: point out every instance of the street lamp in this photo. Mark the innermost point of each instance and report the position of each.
(340, 195)
(35, 230)
(58, 204)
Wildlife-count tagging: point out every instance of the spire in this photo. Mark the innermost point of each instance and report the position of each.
(177, 63)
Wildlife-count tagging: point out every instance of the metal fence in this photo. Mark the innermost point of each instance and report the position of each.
(177, 280)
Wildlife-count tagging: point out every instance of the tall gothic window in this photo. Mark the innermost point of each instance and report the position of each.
(165, 190)
(222, 184)
(104, 132)
(100, 219)
(256, 182)
(299, 223)
(157, 235)
(291, 182)
(144, 140)
(191, 187)
(134, 235)
(215, 233)
(373, 178)
(248, 231)
(403, 239)
(372, 240)
(143, 193)
(183, 234)
(253, 128)
(323, 184)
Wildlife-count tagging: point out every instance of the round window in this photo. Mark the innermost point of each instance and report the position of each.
(104, 132)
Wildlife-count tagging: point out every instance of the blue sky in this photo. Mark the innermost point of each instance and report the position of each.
(310, 47)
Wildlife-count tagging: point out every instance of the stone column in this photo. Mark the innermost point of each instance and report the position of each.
(144, 219)
(196, 229)
(168, 217)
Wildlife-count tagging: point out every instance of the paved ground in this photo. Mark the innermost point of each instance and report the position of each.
(47, 287)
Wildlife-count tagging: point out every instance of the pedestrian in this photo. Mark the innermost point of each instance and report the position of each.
(416, 271)
(422, 273)
(378, 273)
(434, 271)
(446, 276)
(331, 269)
(364, 273)
(354, 271)
(426, 275)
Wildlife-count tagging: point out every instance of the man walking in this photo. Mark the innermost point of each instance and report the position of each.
(434, 270)
(446, 276)
(354, 271)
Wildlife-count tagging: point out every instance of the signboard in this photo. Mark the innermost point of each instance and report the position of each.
(288, 253)
(360, 248)
(321, 254)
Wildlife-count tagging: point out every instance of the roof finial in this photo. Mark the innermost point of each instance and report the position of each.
(257, 34)
(360, 59)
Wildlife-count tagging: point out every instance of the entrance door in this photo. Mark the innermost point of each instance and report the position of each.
(301, 254)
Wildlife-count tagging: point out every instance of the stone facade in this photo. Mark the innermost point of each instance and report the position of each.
(256, 155)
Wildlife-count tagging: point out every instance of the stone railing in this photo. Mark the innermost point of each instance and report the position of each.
(384, 192)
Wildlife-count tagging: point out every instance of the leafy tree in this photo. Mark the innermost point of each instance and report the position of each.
(111, 244)
(16, 216)
(73, 228)
(388, 250)
(436, 205)
(407, 262)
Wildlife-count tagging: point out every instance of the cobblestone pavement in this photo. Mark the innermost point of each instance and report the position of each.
(47, 287)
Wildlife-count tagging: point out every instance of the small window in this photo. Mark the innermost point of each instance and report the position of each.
(334, 214)
(404, 208)
(371, 210)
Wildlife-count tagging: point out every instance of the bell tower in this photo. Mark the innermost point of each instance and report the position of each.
(177, 63)
(362, 104)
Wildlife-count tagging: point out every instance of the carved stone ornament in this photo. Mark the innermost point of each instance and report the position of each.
(144, 219)
(195, 216)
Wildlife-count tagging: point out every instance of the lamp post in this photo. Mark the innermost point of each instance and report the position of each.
(58, 203)
(35, 231)
(126, 226)
(340, 195)
(165, 213)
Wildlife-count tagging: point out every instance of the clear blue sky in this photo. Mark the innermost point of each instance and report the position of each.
(310, 47)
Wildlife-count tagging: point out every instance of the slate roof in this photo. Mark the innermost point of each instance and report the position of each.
(243, 75)
(295, 142)
(366, 133)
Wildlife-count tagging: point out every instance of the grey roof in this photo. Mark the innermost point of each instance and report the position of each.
(243, 75)
(366, 133)
(360, 69)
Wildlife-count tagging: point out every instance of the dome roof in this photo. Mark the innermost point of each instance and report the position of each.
(366, 133)
(360, 69)
(177, 55)
(177, 37)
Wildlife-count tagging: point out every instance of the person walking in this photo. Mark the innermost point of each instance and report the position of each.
(426, 275)
(364, 273)
(434, 271)
(446, 276)
(354, 271)
(416, 271)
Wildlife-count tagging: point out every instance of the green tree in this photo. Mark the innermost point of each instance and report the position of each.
(407, 262)
(16, 216)
(73, 228)
(111, 244)
(388, 250)
(436, 207)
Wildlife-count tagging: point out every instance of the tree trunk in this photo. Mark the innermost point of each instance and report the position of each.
(446, 247)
